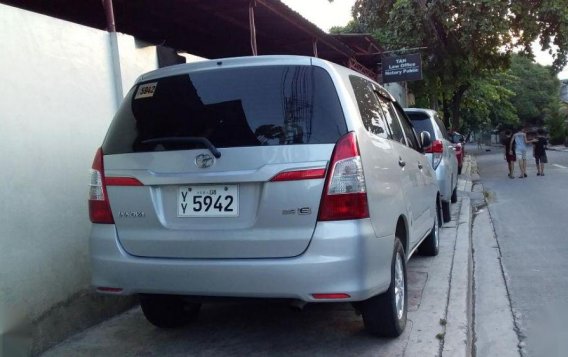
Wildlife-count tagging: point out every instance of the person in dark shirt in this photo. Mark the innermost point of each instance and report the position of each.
(539, 152)
(510, 155)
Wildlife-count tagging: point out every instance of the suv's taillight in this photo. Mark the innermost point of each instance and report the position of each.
(344, 194)
(99, 208)
(437, 151)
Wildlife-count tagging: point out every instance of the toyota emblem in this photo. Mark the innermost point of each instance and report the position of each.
(204, 161)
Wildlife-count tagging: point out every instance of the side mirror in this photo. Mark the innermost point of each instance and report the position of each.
(425, 139)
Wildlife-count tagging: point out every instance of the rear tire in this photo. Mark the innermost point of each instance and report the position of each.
(168, 311)
(384, 315)
(431, 245)
(454, 198)
(446, 213)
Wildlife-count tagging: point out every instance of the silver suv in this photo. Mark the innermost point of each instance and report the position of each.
(441, 154)
(264, 177)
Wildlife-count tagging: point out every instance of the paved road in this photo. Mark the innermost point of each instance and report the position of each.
(530, 217)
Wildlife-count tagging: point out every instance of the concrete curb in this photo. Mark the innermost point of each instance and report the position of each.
(494, 329)
(458, 337)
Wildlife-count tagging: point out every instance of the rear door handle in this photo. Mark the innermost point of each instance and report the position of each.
(420, 166)
(401, 163)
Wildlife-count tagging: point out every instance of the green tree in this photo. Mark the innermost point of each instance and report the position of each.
(464, 40)
(487, 104)
(555, 118)
(536, 90)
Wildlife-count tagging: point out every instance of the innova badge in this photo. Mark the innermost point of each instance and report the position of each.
(204, 161)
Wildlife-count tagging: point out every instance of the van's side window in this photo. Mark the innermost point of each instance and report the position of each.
(369, 107)
(392, 120)
(442, 127)
(411, 139)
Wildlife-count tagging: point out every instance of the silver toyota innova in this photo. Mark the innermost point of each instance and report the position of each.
(261, 177)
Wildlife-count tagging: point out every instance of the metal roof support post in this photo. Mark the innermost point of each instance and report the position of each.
(315, 46)
(114, 51)
(252, 5)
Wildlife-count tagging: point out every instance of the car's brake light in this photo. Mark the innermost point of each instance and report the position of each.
(437, 151)
(122, 181)
(333, 296)
(344, 194)
(296, 175)
(436, 147)
(99, 207)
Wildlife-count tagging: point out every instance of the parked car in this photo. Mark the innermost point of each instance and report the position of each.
(459, 145)
(441, 155)
(277, 177)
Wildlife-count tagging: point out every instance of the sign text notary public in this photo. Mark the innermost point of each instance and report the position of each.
(402, 68)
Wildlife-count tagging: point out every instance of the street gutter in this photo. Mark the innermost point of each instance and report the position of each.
(458, 337)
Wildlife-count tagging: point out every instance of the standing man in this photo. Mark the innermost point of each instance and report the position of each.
(539, 152)
(509, 143)
(521, 143)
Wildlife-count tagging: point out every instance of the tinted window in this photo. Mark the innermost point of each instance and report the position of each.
(369, 107)
(421, 122)
(411, 139)
(277, 105)
(394, 125)
(442, 127)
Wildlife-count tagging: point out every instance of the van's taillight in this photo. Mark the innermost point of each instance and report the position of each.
(344, 194)
(99, 207)
(437, 151)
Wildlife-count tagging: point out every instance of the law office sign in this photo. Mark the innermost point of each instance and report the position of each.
(402, 68)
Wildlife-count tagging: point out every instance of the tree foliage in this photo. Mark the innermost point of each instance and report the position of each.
(527, 94)
(536, 90)
(487, 104)
(465, 40)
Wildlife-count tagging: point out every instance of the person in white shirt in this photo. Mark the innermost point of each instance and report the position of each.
(521, 145)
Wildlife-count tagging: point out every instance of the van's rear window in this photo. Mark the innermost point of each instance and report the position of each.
(251, 106)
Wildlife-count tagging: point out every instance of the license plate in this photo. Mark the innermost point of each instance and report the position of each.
(208, 201)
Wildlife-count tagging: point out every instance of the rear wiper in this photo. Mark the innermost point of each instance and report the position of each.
(185, 140)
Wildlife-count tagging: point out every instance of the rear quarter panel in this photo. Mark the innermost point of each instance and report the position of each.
(382, 178)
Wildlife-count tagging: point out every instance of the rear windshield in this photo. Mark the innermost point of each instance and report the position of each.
(421, 122)
(253, 106)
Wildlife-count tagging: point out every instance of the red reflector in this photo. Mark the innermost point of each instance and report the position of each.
(122, 181)
(109, 290)
(299, 175)
(346, 206)
(331, 296)
(99, 212)
(437, 147)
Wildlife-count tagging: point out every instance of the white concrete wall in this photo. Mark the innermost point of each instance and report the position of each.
(56, 102)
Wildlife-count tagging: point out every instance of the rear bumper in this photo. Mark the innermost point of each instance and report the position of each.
(343, 257)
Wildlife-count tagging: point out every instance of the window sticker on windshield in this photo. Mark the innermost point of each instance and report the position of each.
(146, 90)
